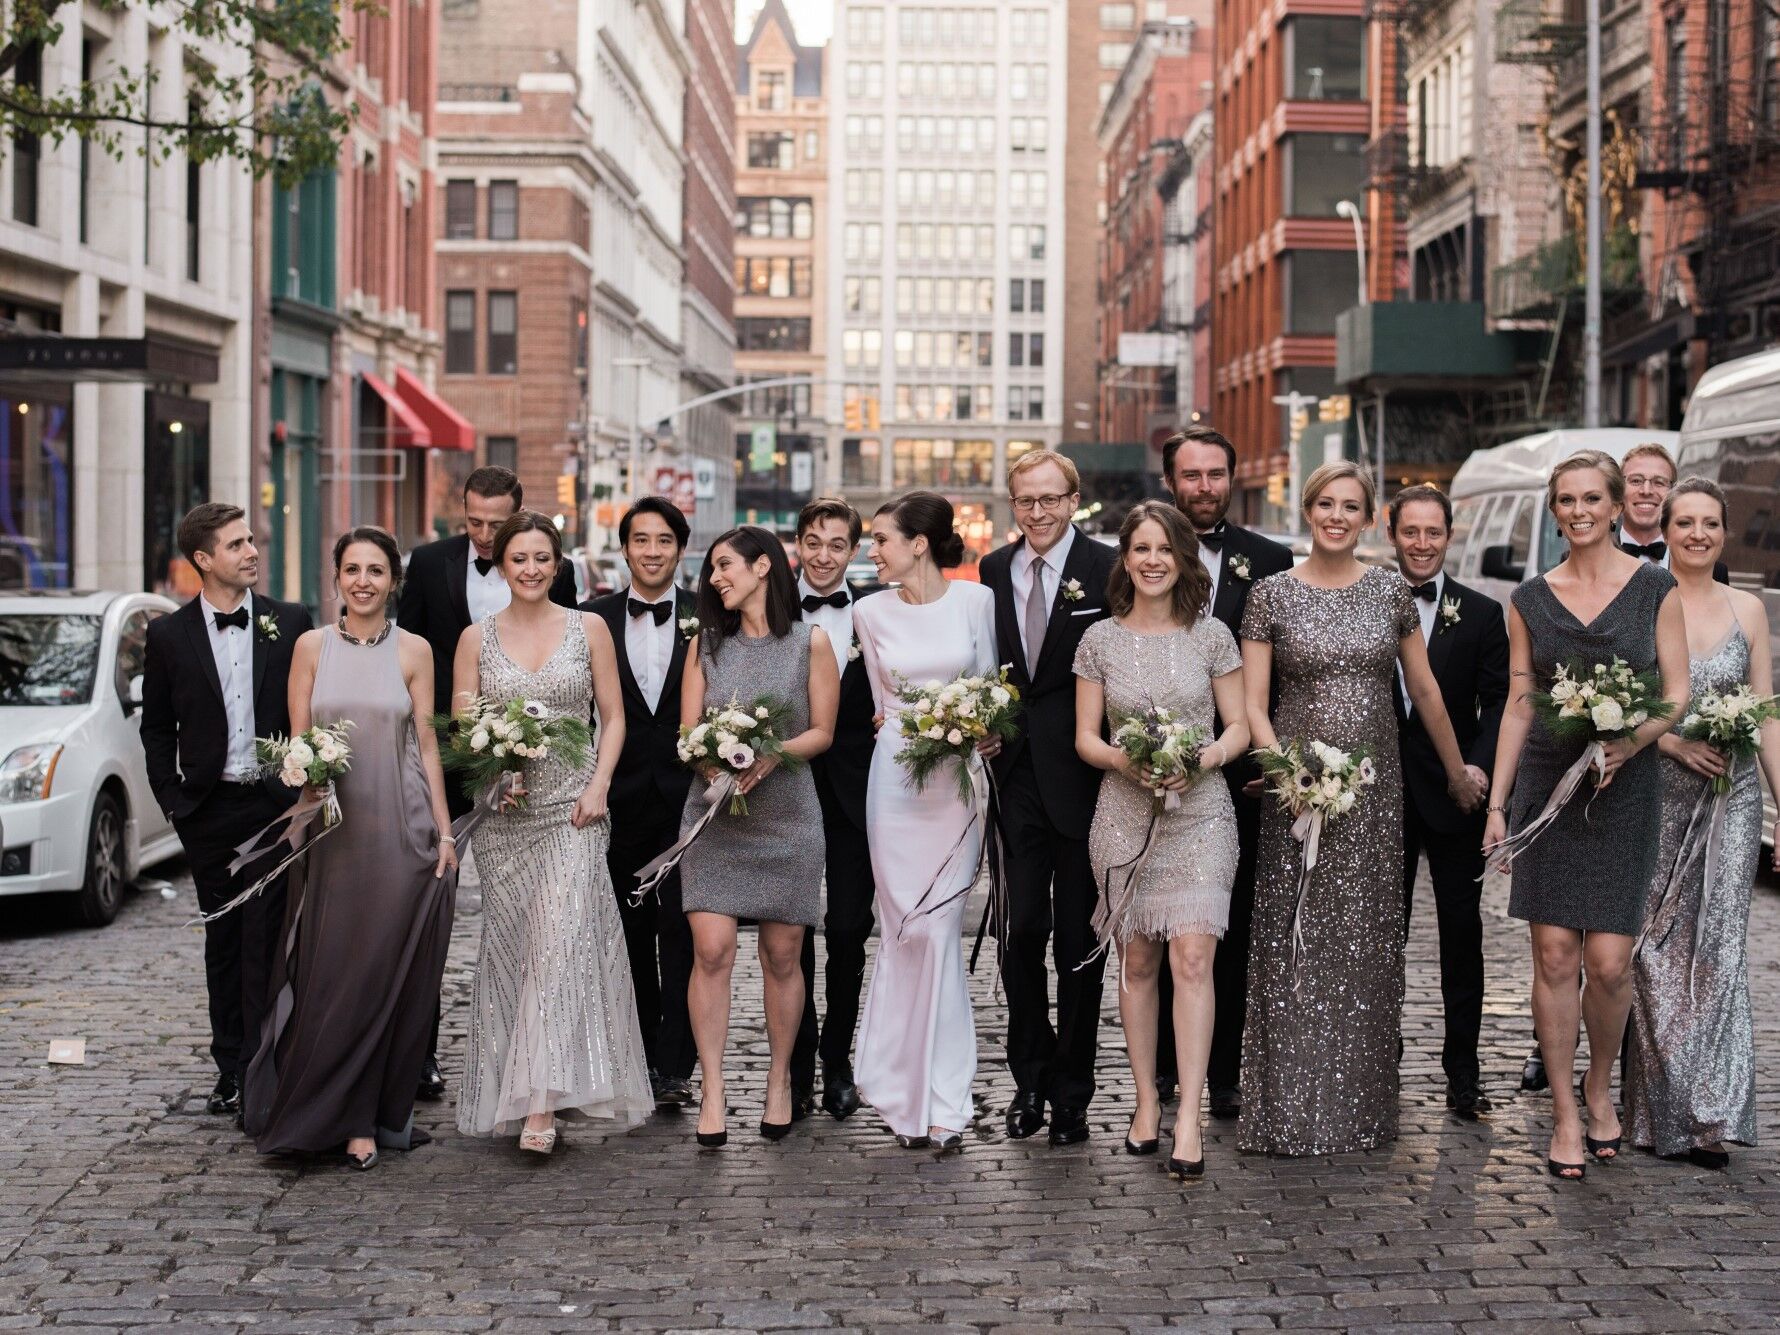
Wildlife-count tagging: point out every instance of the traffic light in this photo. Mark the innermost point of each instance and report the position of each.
(1276, 489)
(871, 413)
(853, 415)
(565, 490)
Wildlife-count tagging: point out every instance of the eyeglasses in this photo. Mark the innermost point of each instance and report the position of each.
(1656, 480)
(1027, 504)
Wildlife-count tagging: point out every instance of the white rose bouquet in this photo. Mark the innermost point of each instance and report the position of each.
(316, 756)
(1164, 745)
(942, 722)
(1315, 783)
(1731, 721)
(733, 737)
(489, 739)
(1601, 703)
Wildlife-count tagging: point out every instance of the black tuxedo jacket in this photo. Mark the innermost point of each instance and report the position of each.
(1469, 659)
(1068, 785)
(435, 606)
(842, 770)
(185, 729)
(1264, 557)
(649, 770)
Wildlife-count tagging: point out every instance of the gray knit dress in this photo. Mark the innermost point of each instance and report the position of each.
(766, 865)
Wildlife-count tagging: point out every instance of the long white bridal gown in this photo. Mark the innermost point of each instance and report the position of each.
(917, 1051)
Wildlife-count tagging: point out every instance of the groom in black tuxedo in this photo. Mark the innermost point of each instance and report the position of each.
(649, 787)
(1467, 641)
(1198, 466)
(215, 678)
(448, 586)
(1049, 587)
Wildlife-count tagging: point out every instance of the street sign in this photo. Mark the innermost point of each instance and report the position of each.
(803, 470)
(685, 492)
(1142, 349)
(762, 443)
(666, 478)
(704, 479)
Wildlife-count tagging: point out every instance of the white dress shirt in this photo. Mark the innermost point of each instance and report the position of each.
(650, 647)
(1020, 582)
(233, 649)
(836, 622)
(1625, 537)
(1214, 566)
(1427, 611)
(485, 594)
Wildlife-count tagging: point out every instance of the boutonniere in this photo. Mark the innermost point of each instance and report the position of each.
(852, 651)
(268, 626)
(689, 626)
(1449, 614)
(1239, 567)
(1072, 591)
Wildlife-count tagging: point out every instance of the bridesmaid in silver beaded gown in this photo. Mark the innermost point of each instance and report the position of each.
(553, 1019)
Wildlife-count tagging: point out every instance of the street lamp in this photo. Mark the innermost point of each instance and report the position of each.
(1346, 208)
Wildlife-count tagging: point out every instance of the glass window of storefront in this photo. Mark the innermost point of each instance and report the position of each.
(942, 463)
(175, 477)
(36, 488)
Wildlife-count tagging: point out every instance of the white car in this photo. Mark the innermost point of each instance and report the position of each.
(76, 814)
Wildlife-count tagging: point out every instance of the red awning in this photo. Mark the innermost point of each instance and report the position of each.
(406, 430)
(450, 429)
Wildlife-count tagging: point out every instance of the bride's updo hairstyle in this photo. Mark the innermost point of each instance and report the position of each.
(1603, 463)
(927, 514)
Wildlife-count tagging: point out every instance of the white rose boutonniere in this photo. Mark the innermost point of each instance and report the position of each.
(268, 626)
(852, 651)
(1239, 567)
(689, 626)
(1072, 591)
(1449, 614)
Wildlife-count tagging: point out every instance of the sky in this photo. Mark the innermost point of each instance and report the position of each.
(814, 19)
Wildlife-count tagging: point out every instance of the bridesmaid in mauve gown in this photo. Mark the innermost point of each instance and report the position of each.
(366, 932)
(1319, 1053)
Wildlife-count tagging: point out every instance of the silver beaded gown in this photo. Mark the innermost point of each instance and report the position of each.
(1319, 1051)
(553, 1017)
(1690, 1071)
(1186, 880)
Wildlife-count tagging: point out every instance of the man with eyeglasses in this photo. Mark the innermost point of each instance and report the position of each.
(1049, 587)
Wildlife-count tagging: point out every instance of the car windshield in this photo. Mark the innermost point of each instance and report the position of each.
(48, 660)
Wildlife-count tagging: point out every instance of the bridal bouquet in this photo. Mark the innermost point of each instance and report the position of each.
(489, 739)
(943, 722)
(316, 756)
(1164, 745)
(732, 737)
(1599, 704)
(1315, 783)
(1730, 721)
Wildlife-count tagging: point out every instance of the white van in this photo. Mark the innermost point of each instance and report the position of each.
(1501, 531)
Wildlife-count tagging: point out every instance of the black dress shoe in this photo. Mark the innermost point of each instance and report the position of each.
(1069, 1126)
(1226, 1103)
(1466, 1100)
(432, 1082)
(1713, 1159)
(840, 1096)
(1166, 1088)
(803, 1098)
(1025, 1115)
(1532, 1075)
(225, 1096)
(672, 1092)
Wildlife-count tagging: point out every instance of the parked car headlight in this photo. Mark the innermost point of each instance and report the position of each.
(28, 772)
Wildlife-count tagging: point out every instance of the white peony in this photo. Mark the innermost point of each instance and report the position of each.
(293, 776)
(479, 740)
(999, 695)
(923, 706)
(954, 737)
(500, 749)
(1690, 722)
(300, 755)
(760, 711)
(1563, 689)
(1607, 714)
(1331, 787)
(935, 733)
(967, 708)
(1346, 801)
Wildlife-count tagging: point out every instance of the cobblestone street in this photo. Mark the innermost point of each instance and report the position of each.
(123, 1206)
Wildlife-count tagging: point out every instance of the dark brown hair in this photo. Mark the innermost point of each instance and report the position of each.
(1697, 486)
(927, 514)
(716, 622)
(379, 538)
(1421, 492)
(493, 481)
(1192, 587)
(830, 507)
(197, 531)
(1198, 435)
(525, 521)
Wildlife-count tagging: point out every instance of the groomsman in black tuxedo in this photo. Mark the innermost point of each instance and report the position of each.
(1198, 466)
(1467, 641)
(448, 586)
(1049, 587)
(827, 537)
(649, 788)
(215, 678)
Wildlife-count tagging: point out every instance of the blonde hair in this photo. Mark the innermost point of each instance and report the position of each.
(1038, 459)
(1652, 449)
(1598, 460)
(1318, 482)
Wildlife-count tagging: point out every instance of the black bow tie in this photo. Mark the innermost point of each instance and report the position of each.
(660, 611)
(237, 618)
(484, 564)
(811, 601)
(1213, 541)
(1426, 592)
(1651, 551)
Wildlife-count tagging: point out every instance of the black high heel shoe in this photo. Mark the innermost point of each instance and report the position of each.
(1605, 1151)
(1713, 1159)
(774, 1130)
(712, 1140)
(1186, 1170)
(1140, 1147)
(1563, 1171)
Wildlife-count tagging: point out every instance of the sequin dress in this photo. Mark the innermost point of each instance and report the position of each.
(553, 1017)
(1319, 1052)
(1690, 1072)
(1186, 879)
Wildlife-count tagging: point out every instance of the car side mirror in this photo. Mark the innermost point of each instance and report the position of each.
(1498, 563)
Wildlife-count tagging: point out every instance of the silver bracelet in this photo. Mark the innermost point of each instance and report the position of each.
(448, 838)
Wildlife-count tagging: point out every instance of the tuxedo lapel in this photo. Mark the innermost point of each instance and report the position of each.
(1440, 641)
(1074, 567)
(1006, 623)
(670, 686)
(457, 572)
(627, 678)
(1227, 606)
(262, 648)
(198, 634)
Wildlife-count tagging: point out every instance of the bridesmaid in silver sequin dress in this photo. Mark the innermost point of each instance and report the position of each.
(1159, 650)
(1690, 1071)
(553, 1017)
(1319, 1054)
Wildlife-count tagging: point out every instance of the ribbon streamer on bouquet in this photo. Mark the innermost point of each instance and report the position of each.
(984, 812)
(1115, 907)
(652, 875)
(289, 828)
(1307, 829)
(1594, 756)
(1704, 836)
(488, 802)
(995, 908)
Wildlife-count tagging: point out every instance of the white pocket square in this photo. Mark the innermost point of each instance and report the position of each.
(1086, 611)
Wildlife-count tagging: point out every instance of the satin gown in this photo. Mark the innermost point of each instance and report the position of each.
(917, 1050)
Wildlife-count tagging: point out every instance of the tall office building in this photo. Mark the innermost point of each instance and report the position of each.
(945, 226)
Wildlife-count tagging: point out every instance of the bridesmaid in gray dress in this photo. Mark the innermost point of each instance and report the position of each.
(365, 936)
(1319, 1051)
(1580, 886)
(1690, 1070)
(763, 865)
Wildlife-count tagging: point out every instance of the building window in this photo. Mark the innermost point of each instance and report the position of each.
(772, 90)
(771, 334)
(1113, 55)
(774, 216)
(942, 463)
(1016, 349)
(772, 276)
(88, 62)
(1318, 286)
(460, 210)
(1325, 59)
(502, 452)
(859, 462)
(812, 145)
(1035, 349)
(1120, 17)
(578, 331)
(194, 200)
(27, 149)
(503, 333)
(303, 248)
(776, 150)
(460, 333)
(1321, 170)
(36, 461)
(503, 210)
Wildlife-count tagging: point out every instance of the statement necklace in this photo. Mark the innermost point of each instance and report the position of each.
(376, 639)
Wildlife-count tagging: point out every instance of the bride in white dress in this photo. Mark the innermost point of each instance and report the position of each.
(917, 1052)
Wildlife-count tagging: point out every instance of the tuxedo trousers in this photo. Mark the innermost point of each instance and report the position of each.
(1051, 899)
(1229, 967)
(241, 947)
(656, 935)
(1455, 865)
(846, 927)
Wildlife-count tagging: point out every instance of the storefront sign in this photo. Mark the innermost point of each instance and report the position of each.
(141, 360)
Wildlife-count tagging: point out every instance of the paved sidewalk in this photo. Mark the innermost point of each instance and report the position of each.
(122, 1206)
